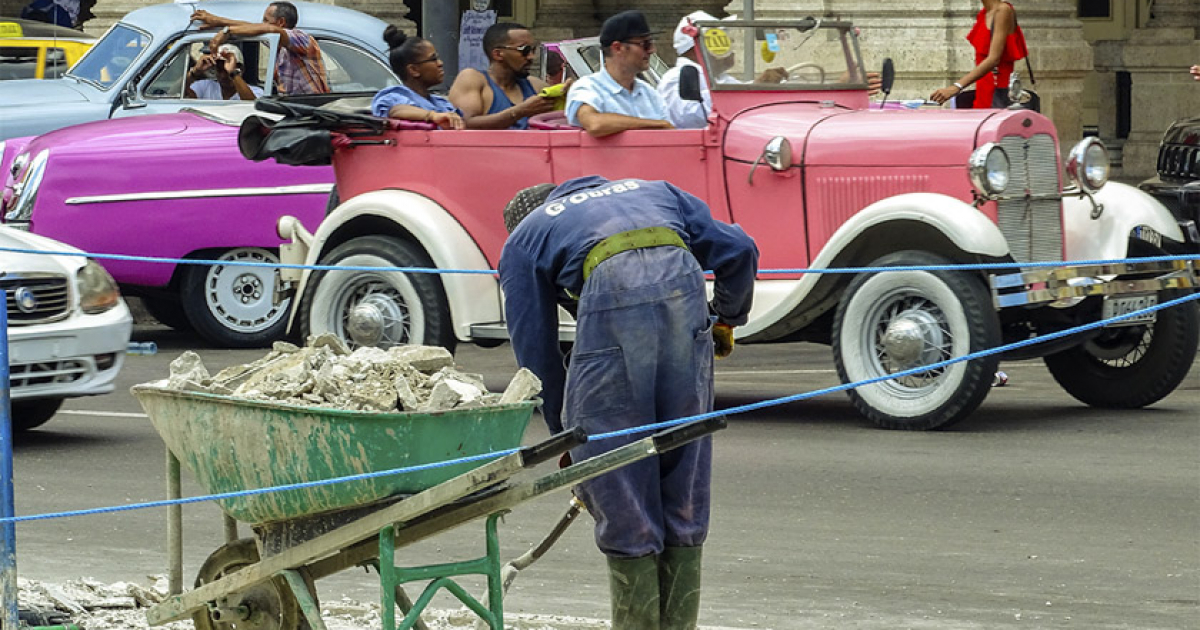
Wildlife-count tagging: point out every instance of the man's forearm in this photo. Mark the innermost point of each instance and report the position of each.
(500, 120)
(599, 125)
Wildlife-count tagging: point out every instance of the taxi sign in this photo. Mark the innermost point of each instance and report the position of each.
(11, 29)
(717, 42)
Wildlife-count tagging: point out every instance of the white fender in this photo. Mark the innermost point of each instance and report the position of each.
(965, 226)
(1107, 236)
(473, 298)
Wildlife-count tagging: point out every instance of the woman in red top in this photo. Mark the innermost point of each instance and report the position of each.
(998, 42)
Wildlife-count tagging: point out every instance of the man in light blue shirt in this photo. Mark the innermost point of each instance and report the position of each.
(614, 99)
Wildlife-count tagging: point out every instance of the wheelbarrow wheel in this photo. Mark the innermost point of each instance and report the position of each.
(268, 606)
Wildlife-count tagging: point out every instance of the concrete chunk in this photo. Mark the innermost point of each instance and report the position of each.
(523, 386)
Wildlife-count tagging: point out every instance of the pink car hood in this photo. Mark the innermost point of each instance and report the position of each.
(828, 136)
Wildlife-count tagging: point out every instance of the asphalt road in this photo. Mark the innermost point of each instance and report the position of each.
(1037, 512)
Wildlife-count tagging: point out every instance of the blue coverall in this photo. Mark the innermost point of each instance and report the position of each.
(643, 350)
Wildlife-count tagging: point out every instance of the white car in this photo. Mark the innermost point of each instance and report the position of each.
(68, 328)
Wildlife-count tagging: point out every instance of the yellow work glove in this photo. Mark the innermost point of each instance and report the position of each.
(722, 340)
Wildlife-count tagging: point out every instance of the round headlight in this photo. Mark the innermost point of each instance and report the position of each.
(989, 168)
(1088, 165)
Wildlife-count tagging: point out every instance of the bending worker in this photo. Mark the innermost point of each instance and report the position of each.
(634, 252)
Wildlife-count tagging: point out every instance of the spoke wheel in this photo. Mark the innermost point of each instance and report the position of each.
(892, 322)
(378, 308)
(268, 605)
(1130, 367)
(234, 306)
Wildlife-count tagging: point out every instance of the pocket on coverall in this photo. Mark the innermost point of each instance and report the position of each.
(597, 384)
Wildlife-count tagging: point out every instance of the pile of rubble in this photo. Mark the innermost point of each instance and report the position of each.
(325, 373)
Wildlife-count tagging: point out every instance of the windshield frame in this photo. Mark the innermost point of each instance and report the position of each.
(847, 33)
(99, 44)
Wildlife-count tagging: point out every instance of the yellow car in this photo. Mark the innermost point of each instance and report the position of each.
(36, 50)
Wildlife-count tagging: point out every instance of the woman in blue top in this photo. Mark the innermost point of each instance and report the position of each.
(415, 61)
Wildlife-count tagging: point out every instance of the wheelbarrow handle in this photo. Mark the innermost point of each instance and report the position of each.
(551, 448)
(684, 433)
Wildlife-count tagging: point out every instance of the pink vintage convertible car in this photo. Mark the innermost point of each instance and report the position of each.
(820, 180)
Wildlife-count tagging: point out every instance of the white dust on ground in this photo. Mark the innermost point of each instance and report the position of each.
(93, 605)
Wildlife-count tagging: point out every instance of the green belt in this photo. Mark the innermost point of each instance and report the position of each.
(625, 241)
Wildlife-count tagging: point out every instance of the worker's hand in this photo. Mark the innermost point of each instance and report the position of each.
(722, 340)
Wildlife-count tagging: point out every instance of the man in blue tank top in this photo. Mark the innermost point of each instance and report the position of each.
(634, 252)
(505, 96)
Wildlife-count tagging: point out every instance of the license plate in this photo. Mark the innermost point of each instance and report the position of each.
(1117, 306)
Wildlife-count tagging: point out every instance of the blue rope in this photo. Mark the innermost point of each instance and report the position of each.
(492, 272)
(640, 429)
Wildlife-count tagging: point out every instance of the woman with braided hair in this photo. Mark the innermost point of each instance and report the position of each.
(416, 62)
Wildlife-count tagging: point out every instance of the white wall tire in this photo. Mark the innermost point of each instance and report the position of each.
(892, 321)
(233, 306)
(380, 309)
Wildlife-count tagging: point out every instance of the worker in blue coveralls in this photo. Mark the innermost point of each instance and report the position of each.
(633, 251)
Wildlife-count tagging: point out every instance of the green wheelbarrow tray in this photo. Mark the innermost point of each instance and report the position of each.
(231, 445)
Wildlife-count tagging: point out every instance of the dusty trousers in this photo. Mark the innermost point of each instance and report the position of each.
(643, 354)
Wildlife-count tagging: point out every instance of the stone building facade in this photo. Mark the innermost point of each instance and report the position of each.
(1138, 81)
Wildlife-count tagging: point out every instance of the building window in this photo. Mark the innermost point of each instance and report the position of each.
(1095, 8)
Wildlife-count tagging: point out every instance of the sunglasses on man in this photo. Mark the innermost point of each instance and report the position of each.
(526, 50)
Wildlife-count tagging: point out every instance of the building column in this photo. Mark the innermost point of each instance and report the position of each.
(1157, 58)
(926, 41)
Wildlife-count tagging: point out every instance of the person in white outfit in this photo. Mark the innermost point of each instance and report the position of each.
(685, 109)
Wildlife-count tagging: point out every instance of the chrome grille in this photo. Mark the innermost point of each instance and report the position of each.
(1179, 161)
(46, 297)
(1033, 228)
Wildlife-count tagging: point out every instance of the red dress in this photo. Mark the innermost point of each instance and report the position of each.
(1014, 50)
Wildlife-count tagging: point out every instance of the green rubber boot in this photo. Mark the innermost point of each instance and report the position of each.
(634, 586)
(679, 588)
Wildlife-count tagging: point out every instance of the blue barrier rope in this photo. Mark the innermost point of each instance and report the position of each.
(640, 429)
(492, 272)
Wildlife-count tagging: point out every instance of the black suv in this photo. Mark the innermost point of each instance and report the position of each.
(1178, 183)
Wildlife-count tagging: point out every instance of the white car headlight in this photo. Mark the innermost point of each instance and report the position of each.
(25, 191)
(989, 168)
(97, 290)
(1088, 165)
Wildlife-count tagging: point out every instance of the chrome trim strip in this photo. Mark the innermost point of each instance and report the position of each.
(303, 189)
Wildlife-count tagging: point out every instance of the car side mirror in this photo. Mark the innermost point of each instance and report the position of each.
(689, 84)
(129, 97)
(888, 76)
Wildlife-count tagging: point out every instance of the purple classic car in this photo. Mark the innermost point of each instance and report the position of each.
(205, 201)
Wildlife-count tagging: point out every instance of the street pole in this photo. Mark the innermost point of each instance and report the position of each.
(439, 24)
(8, 531)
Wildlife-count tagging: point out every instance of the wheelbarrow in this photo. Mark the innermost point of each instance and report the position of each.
(306, 533)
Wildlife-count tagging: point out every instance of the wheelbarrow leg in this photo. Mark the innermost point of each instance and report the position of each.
(308, 605)
(441, 576)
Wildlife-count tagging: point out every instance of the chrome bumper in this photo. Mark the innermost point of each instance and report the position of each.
(1053, 284)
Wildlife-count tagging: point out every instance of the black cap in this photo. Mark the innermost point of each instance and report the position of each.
(622, 26)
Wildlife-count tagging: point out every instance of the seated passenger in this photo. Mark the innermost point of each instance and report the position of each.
(219, 77)
(505, 96)
(614, 99)
(415, 61)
